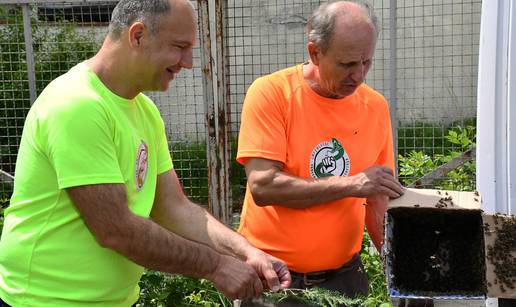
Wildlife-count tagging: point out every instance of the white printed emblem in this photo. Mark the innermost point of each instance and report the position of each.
(141, 165)
(329, 159)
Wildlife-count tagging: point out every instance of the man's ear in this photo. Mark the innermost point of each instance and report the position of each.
(314, 52)
(136, 34)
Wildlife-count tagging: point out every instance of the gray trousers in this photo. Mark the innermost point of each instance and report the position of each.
(350, 280)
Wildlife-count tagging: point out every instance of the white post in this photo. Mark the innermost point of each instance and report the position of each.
(494, 94)
(496, 113)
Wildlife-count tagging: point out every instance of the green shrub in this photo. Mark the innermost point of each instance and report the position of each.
(429, 138)
(378, 295)
(416, 164)
(160, 289)
(190, 164)
(420, 136)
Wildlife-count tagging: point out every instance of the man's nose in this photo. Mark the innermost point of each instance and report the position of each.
(187, 58)
(358, 72)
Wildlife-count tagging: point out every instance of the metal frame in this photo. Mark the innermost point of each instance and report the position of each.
(496, 119)
(496, 84)
(215, 93)
(29, 52)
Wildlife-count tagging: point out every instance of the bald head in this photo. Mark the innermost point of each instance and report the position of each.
(149, 12)
(342, 17)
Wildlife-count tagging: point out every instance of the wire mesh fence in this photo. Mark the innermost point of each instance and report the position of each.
(65, 33)
(437, 56)
(264, 37)
(432, 90)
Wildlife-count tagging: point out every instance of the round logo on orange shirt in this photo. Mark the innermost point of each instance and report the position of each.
(329, 159)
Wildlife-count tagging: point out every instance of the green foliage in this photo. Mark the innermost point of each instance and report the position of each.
(314, 297)
(417, 163)
(420, 136)
(323, 297)
(159, 289)
(378, 295)
(237, 178)
(463, 138)
(190, 165)
(429, 138)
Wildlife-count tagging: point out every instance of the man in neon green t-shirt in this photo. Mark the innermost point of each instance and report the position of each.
(96, 198)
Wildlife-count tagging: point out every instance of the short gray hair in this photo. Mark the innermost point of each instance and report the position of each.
(321, 24)
(127, 12)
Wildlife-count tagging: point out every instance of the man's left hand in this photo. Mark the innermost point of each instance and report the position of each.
(273, 272)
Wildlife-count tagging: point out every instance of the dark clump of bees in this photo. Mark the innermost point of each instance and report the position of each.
(436, 251)
(500, 252)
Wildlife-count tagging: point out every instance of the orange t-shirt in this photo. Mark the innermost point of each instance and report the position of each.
(283, 119)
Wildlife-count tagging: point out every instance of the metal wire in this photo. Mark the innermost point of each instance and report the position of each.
(66, 33)
(436, 57)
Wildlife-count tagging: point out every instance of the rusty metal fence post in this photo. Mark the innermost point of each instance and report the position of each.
(213, 62)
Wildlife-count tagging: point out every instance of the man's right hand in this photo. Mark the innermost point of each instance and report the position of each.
(236, 279)
(376, 180)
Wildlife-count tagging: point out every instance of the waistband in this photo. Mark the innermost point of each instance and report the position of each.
(312, 278)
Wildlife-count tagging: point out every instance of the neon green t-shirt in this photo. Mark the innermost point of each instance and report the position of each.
(77, 132)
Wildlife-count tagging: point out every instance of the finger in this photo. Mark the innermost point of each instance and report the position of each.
(386, 169)
(393, 185)
(272, 278)
(258, 287)
(284, 276)
(389, 192)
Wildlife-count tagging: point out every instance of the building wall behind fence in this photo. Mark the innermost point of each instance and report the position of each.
(436, 50)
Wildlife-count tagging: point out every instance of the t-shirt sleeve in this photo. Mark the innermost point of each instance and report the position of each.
(78, 140)
(263, 128)
(386, 156)
(164, 160)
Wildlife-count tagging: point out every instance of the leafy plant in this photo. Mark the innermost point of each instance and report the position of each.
(378, 295)
(160, 289)
(417, 164)
(191, 167)
(313, 297)
(430, 138)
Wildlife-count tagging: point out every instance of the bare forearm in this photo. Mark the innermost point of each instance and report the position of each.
(152, 246)
(294, 192)
(374, 219)
(105, 212)
(374, 233)
(271, 185)
(208, 230)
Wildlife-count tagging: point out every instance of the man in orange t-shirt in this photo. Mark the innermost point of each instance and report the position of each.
(317, 145)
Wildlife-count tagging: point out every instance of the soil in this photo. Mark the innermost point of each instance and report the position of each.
(437, 252)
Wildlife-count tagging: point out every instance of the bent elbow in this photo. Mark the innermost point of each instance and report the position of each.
(260, 196)
(111, 239)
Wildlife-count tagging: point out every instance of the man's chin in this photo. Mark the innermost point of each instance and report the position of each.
(348, 90)
(163, 86)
